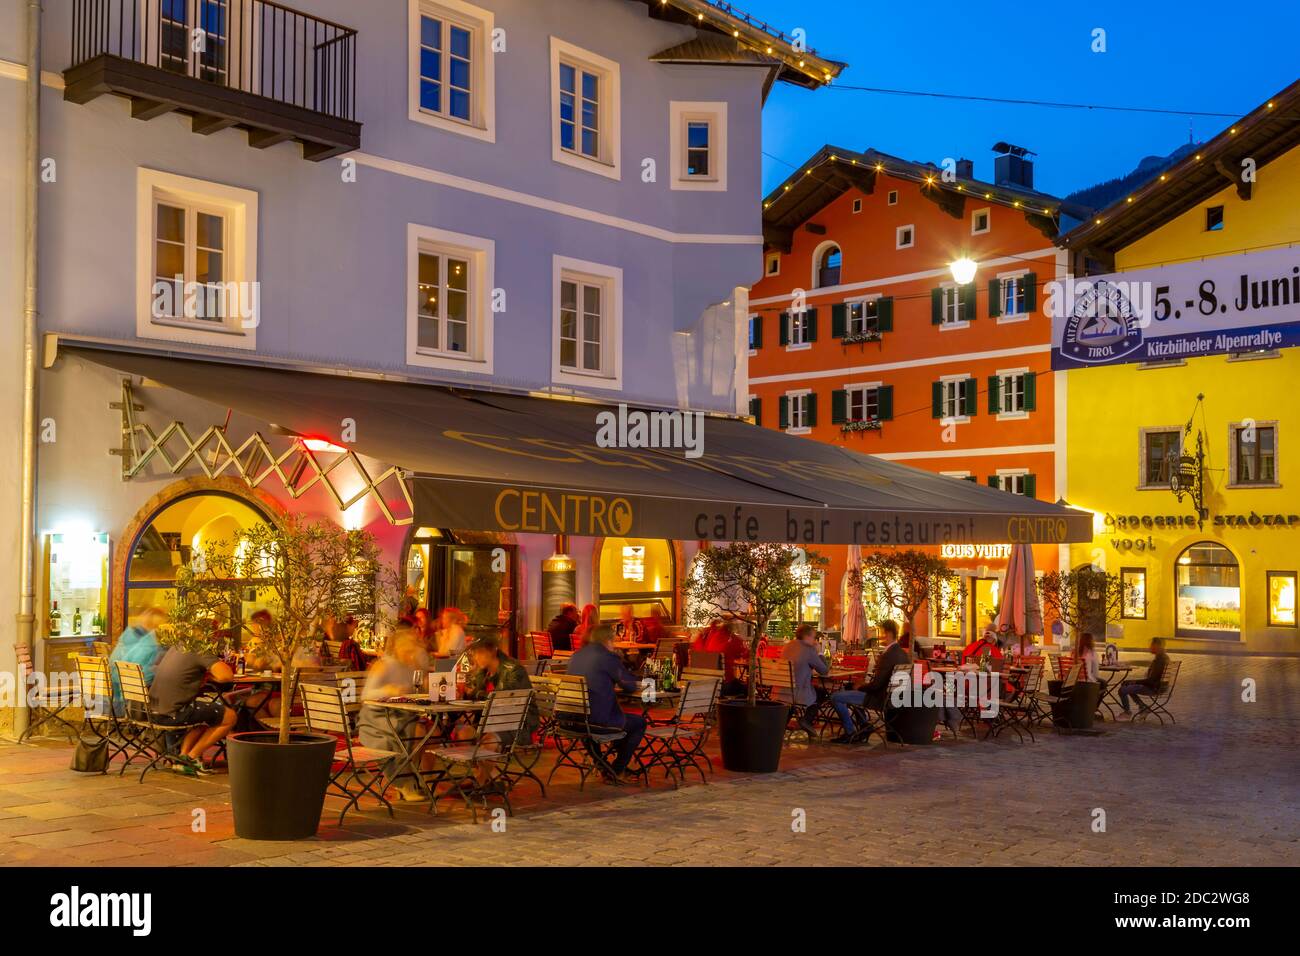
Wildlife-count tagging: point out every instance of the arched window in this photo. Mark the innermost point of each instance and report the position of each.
(1207, 592)
(828, 266)
(640, 572)
(174, 534)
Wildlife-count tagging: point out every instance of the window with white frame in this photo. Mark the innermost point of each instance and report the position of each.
(954, 305)
(799, 326)
(196, 261)
(588, 308)
(857, 206)
(862, 317)
(957, 397)
(698, 140)
(904, 237)
(586, 118)
(892, 198)
(755, 332)
(862, 403)
(979, 222)
(449, 315)
(800, 414)
(1015, 482)
(1013, 393)
(1011, 295)
(452, 67)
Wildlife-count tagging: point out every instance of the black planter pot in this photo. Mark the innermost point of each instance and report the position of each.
(912, 725)
(1077, 709)
(277, 790)
(752, 736)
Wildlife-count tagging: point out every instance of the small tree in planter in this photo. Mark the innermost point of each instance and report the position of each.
(907, 580)
(304, 569)
(752, 581)
(1073, 596)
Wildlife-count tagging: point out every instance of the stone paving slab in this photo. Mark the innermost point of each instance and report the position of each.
(1221, 787)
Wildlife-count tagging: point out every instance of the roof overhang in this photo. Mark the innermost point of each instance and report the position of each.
(484, 461)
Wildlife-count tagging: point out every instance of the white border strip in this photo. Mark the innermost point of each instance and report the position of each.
(966, 452)
(12, 70)
(910, 363)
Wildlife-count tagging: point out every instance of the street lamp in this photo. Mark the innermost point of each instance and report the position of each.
(963, 270)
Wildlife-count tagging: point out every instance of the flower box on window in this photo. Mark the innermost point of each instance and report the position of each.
(864, 425)
(852, 338)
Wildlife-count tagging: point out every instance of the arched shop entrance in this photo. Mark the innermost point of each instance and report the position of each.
(1207, 593)
(473, 572)
(641, 572)
(168, 534)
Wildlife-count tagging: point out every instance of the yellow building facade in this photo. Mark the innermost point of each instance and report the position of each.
(1226, 580)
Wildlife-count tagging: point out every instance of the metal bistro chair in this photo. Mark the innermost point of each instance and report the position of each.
(96, 699)
(1157, 704)
(579, 743)
(869, 718)
(678, 745)
(560, 662)
(777, 675)
(45, 704)
(535, 668)
(326, 712)
(1043, 701)
(149, 740)
(1019, 712)
(506, 714)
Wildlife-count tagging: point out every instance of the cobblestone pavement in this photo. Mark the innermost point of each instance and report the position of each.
(1220, 788)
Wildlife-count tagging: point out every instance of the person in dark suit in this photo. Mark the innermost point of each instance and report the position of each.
(604, 671)
(874, 691)
(562, 626)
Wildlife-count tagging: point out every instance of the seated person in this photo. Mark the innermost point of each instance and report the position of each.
(805, 660)
(1148, 686)
(734, 652)
(988, 642)
(1086, 655)
(495, 670)
(562, 627)
(174, 700)
(138, 644)
(393, 675)
(873, 693)
(350, 654)
(604, 670)
(449, 637)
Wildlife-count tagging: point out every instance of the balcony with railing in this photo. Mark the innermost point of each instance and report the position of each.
(254, 65)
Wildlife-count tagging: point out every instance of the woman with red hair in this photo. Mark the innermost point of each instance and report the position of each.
(590, 621)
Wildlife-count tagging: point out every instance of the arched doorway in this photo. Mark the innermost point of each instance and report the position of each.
(641, 572)
(167, 536)
(1207, 593)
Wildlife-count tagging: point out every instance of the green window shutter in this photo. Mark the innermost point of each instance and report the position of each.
(783, 418)
(811, 321)
(811, 405)
(993, 482)
(1030, 281)
(757, 342)
(839, 406)
(885, 313)
(936, 306)
(785, 328)
(1031, 486)
(971, 478)
(756, 410)
(995, 394)
(1031, 391)
(995, 298)
(885, 402)
(839, 319)
(936, 400)
(970, 292)
(968, 399)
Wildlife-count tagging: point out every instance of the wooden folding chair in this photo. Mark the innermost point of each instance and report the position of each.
(777, 675)
(45, 704)
(149, 740)
(505, 716)
(96, 700)
(579, 743)
(100, 648)
(540, 644)
(680, 744)
(1157, 704)
(325, 711)
(1019, 712)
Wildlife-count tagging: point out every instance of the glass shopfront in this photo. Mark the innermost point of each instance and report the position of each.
(1207, 592)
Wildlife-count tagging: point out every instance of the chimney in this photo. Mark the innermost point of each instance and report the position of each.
(1013, 167)
(965, 169)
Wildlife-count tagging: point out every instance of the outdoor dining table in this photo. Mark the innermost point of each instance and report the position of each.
(1118, 674)
(250, 682)
(424, 707)
(639, 696)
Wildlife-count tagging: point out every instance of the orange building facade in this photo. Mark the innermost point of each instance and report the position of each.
(860, 337)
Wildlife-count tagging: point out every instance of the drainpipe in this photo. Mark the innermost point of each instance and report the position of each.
(26, 617)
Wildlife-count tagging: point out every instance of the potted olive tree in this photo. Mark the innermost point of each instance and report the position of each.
(1086, 599)
(752, 581)
(301, 570)
(906, 580)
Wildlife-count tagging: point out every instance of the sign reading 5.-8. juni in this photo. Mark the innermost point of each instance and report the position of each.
(1237, 303)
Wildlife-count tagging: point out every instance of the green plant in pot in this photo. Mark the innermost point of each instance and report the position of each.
(752, 582)
(302, 571)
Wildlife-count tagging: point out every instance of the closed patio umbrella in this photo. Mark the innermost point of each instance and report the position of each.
(854, 626)
(1020, 611)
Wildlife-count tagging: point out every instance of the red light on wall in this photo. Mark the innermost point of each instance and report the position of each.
(322, 444)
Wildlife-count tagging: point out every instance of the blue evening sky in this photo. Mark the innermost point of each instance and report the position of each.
(1190, 55)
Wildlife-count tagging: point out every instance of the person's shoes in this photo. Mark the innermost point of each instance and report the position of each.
(185, 766)
(412, 794)
(842, 739)
(937, 734)
(807, 727)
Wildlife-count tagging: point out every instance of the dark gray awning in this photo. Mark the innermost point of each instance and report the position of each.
(493, 462)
